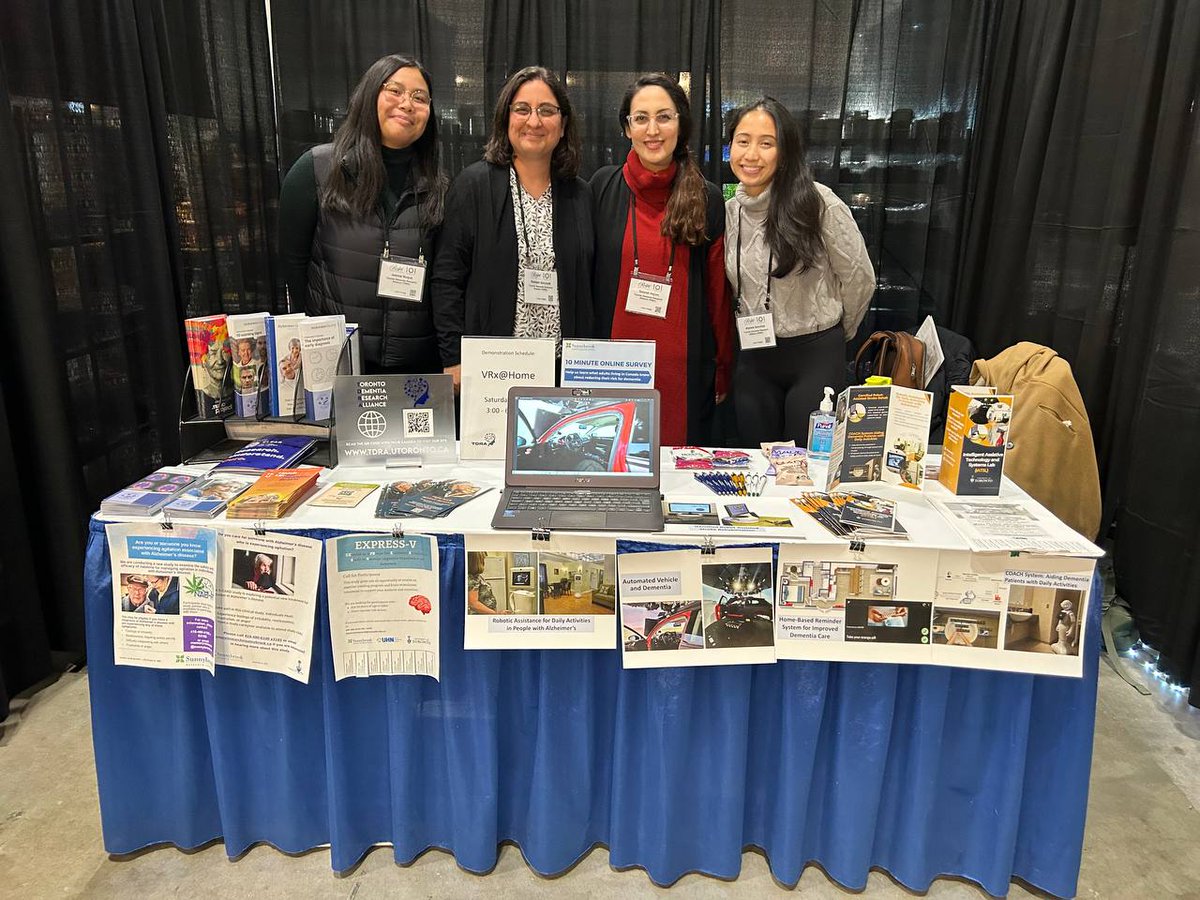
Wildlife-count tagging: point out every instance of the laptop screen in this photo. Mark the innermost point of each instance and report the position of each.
(605, 435)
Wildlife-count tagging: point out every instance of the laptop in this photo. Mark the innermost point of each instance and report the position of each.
(581, 459)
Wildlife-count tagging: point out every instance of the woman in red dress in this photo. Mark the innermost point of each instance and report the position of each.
(659, 260)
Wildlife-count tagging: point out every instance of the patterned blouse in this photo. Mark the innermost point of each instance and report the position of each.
(486, 596)
(535, 249)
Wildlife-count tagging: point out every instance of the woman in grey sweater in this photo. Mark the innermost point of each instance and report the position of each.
(801, 276)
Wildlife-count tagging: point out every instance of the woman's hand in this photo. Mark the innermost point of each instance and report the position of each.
(455, 372)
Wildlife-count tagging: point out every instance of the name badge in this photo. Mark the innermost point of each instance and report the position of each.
(541, 286)
(756, 331)
(401, 278)
(648, 296)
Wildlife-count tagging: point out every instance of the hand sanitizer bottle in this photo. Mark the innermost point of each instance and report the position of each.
(820, 428)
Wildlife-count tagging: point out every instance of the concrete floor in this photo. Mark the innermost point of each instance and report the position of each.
(1142, 841)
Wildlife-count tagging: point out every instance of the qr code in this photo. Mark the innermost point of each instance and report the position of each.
(418, 423)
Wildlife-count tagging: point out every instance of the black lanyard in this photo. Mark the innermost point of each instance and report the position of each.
(389, 224)
(670, 264)
(737, 301)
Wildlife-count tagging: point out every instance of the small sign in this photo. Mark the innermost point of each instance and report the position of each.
(619, 364)
(404, 420)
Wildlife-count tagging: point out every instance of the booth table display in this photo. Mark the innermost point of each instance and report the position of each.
(919, 770)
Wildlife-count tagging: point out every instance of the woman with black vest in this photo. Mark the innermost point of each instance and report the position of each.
(515, 256)
(358, 219)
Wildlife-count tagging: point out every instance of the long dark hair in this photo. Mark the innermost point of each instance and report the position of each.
(358, 177)
(687, 209)
(795, 208)
(564, 162)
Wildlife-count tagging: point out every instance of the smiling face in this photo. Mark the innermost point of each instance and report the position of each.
(402, 119)
(655, 142)
(754, 151)
(534, 137)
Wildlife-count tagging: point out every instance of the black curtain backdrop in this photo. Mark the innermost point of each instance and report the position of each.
(1082, 237)
(139, 175)
(1023, 170)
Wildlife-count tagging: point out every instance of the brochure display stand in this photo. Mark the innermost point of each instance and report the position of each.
(208, 440)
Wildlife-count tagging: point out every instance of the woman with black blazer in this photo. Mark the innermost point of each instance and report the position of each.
(660, 250)
(515, 254)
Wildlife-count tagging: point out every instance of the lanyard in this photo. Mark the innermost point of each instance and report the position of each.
(670, 264)
(524, 228)
(770, 265)
(389, 224)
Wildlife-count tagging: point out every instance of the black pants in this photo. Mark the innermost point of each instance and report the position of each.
(776, 388)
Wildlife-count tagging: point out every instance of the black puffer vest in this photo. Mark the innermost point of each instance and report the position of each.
(343, 278)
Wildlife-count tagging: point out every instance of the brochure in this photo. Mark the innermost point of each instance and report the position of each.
(274, 494)
(251, 377)
(286, 364)
(207, 498)
(540, 595)
(321, 340)
(862, 512)
(977, 420)
(880, 434)
(271, 452)
(148, 495)
(345, 494)
(826, 508)
(209, 357)
(1012, 523)
(384, 608)
(425, 499)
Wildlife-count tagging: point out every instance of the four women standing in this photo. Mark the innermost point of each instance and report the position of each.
(660, 258)
(517, 254)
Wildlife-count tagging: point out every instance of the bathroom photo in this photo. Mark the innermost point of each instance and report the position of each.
(1043, 620)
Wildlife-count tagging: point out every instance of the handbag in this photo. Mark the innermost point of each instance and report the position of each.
(896, 354)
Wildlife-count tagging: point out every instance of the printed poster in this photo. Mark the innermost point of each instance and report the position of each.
(384, 605)
(522, 594)
(164, 601)
(1012, 523)
(690, 608)
(840, 605)
(267, 602)
(490, 366)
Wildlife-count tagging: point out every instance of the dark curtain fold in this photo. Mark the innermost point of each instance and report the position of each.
(1082, 237)
(139, 176)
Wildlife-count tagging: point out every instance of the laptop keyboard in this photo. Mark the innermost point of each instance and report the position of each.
(601, 501)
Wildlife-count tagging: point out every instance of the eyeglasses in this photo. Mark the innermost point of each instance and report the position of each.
(543, 110)
(642, 120)
(399, 92)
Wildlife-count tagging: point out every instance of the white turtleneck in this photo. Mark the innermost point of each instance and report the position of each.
(837, 289)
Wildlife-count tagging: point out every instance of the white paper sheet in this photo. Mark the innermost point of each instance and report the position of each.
(687, 608)
(267, 627)
(164, 599)
(384, 605)
(994, 524)
(540, 595)
(490, 366)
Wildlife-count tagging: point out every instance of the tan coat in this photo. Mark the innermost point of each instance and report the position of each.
(1052, 456)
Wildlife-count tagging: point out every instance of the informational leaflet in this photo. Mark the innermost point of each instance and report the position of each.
(384, 605)
(267, 601)
(837, 604)
(164, 597)
(880, 434)
(608, 364)
(990, 525)
(490, 366)
(523, 594)
(691, 608)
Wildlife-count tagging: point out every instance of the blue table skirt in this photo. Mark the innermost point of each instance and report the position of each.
(919, 770)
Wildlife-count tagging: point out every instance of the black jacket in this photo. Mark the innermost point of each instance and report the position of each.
(343, 278)
(474, 278)
(610, 211)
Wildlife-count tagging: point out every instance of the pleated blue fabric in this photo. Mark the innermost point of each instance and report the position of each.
(919, 770)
